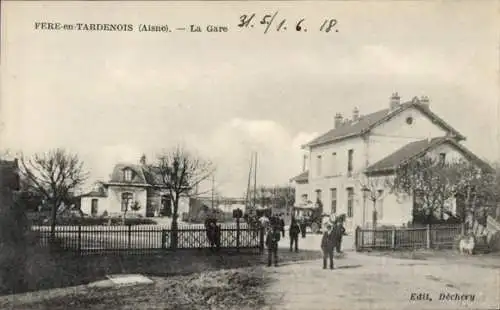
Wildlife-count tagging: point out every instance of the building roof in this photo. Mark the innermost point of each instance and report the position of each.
(418, 148)
(118, 174)
(152, 176)
(141, 176)
(409, 151)
(94, 194)
(301, 178)
(367, 122)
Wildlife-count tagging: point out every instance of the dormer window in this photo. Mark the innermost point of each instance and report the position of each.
(128, 175)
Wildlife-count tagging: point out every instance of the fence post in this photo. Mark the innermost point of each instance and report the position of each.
(428, 234)
(79, 240)
(356, 236)
(237, 234)
(261, 241)
(393, 239)
(129, 235)
(163, 239)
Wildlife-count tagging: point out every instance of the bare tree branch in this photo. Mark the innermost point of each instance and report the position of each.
(180, 172)
(53, 175)
(432, 182)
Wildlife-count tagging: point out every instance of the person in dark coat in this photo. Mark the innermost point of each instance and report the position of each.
(272, 238)
(303, 227)
(282, 226)
(213, 234)
(328, 244)
(294, 234)
(339, 233)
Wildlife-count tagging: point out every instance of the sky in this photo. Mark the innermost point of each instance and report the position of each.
(112, 96)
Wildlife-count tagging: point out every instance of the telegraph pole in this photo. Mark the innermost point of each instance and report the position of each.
(249, 181)
(255, 182)
(213, 190)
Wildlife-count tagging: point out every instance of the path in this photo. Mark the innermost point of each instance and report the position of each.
(367, 282)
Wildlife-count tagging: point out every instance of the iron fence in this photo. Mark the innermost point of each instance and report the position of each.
(147, 238)
(439, 236)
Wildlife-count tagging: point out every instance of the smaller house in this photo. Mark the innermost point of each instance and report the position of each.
(131, 185)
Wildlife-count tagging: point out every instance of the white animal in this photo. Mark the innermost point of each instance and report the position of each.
(466, 245)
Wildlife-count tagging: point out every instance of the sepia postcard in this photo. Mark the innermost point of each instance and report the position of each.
(295, 155)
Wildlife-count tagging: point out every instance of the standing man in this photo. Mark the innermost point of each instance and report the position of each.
(302, 223)
(294, 234)
(282, 225)
(328, 243)
(272, 239)
(339, 233)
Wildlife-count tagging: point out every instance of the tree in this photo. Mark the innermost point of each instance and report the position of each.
(135, 206)
(429, 182)
(274, 196)
(180, 172)
(373, 189)
(478, 188)
(53, 175)
(284, 196)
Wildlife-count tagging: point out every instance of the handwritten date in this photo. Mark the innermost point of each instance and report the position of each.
(270, 22)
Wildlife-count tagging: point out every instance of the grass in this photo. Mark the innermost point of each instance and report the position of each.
(44, 270)
(242, 288)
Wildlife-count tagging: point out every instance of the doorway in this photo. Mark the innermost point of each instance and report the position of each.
(94, 207)
(166, 206)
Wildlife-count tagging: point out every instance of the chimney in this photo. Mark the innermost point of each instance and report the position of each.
(143, 159)
(424, 100)
(355, 114)
(395, 100)
(338, 120)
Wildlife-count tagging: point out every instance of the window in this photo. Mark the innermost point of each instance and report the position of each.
(442, 158)
(128, 175)
(318, 165)
(350, 201)
(318, 195)
(333, 197)
(409, 120)
(380, 209)
(304, 198)
(126, 201)
(350, 155)
(334, 163)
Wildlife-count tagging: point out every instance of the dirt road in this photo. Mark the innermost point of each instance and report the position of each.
(367, 282)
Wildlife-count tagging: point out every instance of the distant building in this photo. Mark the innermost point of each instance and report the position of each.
(131, 184)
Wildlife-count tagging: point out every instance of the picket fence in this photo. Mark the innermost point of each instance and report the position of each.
(142, 239)
(439, 236)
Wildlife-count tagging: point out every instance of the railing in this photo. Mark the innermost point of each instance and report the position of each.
(144, 238)
(438, 236)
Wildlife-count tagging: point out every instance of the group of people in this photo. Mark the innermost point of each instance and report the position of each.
(213, 231)
(331, 240)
